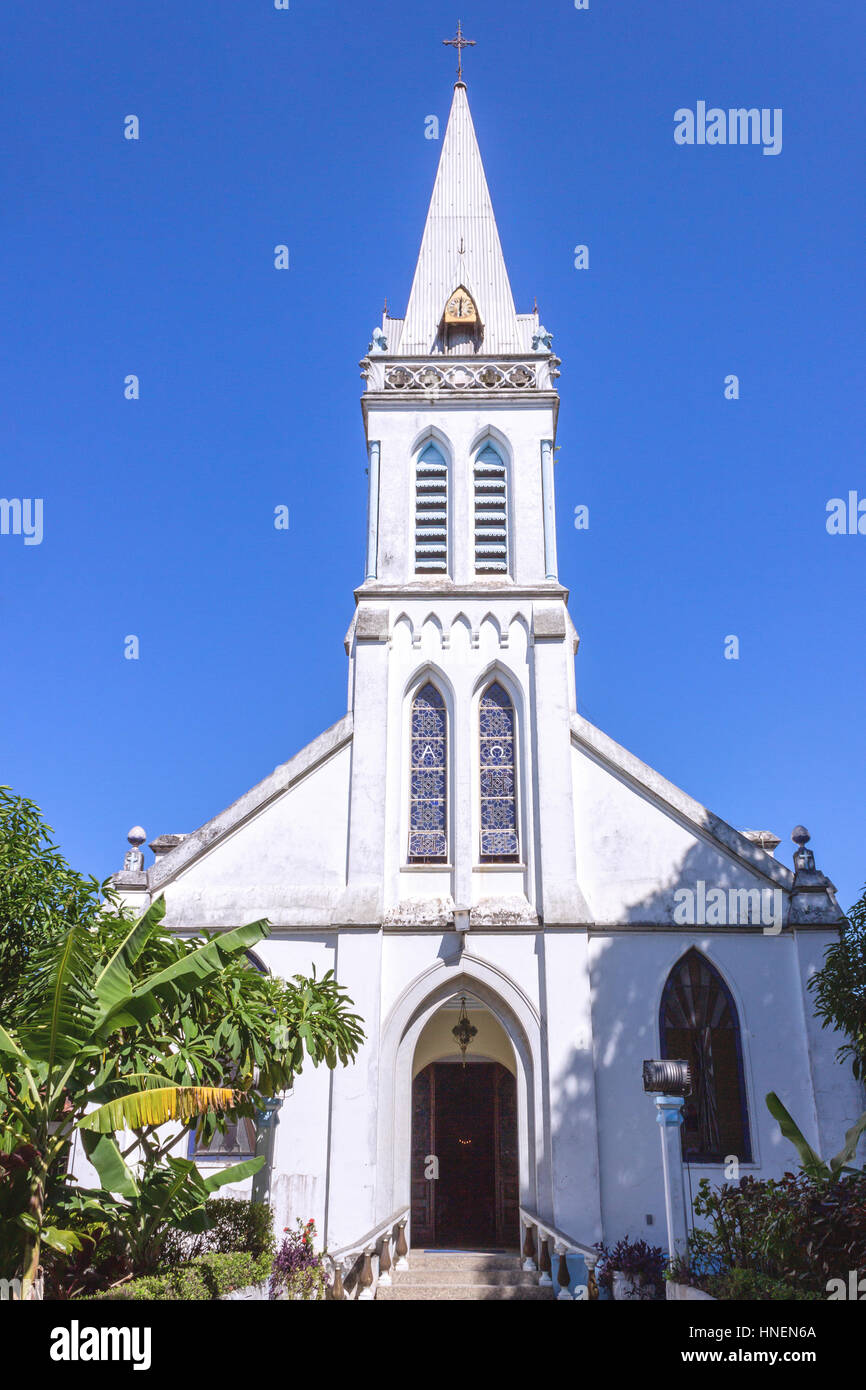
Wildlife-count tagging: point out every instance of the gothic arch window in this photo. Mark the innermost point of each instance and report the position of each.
(496, 727)
(428, 780)
(491, 513)
(431, 512)
(698, 1022)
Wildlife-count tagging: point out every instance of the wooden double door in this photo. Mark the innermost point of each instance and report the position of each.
(465, 1182)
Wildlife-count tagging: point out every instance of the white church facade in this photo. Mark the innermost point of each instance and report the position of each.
(462, 841)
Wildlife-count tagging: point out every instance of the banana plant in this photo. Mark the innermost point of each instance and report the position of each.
(174, 1192)
(813, 1165)
(56, 1064)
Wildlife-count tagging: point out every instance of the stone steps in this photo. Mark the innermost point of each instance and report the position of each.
(453, 1260)
(442, 1291)
(435, 1276)
(469, 1276)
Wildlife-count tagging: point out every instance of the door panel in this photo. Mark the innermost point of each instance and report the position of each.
(423, 1194)
(467, 1117)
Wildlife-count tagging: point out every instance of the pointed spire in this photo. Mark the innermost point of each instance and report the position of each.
(461, 246)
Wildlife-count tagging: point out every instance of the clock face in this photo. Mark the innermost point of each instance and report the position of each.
(460, 308)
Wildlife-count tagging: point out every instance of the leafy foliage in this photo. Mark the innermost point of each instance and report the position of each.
(233, 1224)
(41, 897)
(223, 1226)
(114, 1026)
(812, 1163)
(840, 988)
(208, 1277)
(793, 1230)
(60, 1058)
(747, 1285)
(124, 1025)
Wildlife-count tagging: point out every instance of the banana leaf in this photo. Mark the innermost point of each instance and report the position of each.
(157, 1107)
(812, 1163)
(114, 1174)
(113, 984)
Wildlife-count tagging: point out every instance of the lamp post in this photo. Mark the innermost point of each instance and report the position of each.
(265, 1125)
(671, 1082)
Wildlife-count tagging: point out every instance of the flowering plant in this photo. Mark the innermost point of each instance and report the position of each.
(298, 1271)
(643, 1264)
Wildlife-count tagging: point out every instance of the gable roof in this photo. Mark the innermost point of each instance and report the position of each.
(194, 846)
(679, 803)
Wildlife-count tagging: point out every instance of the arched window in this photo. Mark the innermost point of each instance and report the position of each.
(491, 513)
(499, 839)
(698, 1022)
(431, 513)
(428, 828)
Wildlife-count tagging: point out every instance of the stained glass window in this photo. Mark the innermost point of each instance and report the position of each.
(699, 1024)
(428, 785)
(498, 794)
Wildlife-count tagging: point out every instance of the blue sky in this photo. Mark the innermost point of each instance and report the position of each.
(306, 127)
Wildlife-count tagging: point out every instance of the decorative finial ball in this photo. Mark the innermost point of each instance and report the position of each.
(800, 835)
(137, 836)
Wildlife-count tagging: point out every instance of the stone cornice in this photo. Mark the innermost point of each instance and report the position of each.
(437, 587)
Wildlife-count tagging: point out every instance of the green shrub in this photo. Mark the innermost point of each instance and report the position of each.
(750, 1286)
(239, 1225)
(235, 1270)
(208, 1277)
(234, 1224)
(795, 1233)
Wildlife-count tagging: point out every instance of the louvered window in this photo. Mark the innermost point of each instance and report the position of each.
(431, 513)
(491, 513)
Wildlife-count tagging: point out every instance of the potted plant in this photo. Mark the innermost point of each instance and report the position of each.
(631, 1270)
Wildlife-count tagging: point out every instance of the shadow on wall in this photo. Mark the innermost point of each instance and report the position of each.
(628, 971)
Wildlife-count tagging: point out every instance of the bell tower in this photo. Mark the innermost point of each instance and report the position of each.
(461, 649)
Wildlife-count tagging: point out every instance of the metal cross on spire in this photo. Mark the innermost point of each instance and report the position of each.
(460, 43)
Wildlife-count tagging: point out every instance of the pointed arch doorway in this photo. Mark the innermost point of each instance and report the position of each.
(464, 1158)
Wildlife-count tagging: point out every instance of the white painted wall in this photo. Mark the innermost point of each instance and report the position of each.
(287, 862)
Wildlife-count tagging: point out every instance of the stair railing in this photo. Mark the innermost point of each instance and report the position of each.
(352, 1266)
(538, 1237)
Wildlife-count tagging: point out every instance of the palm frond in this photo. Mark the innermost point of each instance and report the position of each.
(57, 1011)
(207, 960)
(113, 984)
(158, 1107)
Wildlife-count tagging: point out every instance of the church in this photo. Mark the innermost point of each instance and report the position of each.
(495, 881)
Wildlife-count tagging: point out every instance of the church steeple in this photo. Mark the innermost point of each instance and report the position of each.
(461, 634)
(460, 405)
(460, 249)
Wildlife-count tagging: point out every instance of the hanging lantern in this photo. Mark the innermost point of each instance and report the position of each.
(464, 1031)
